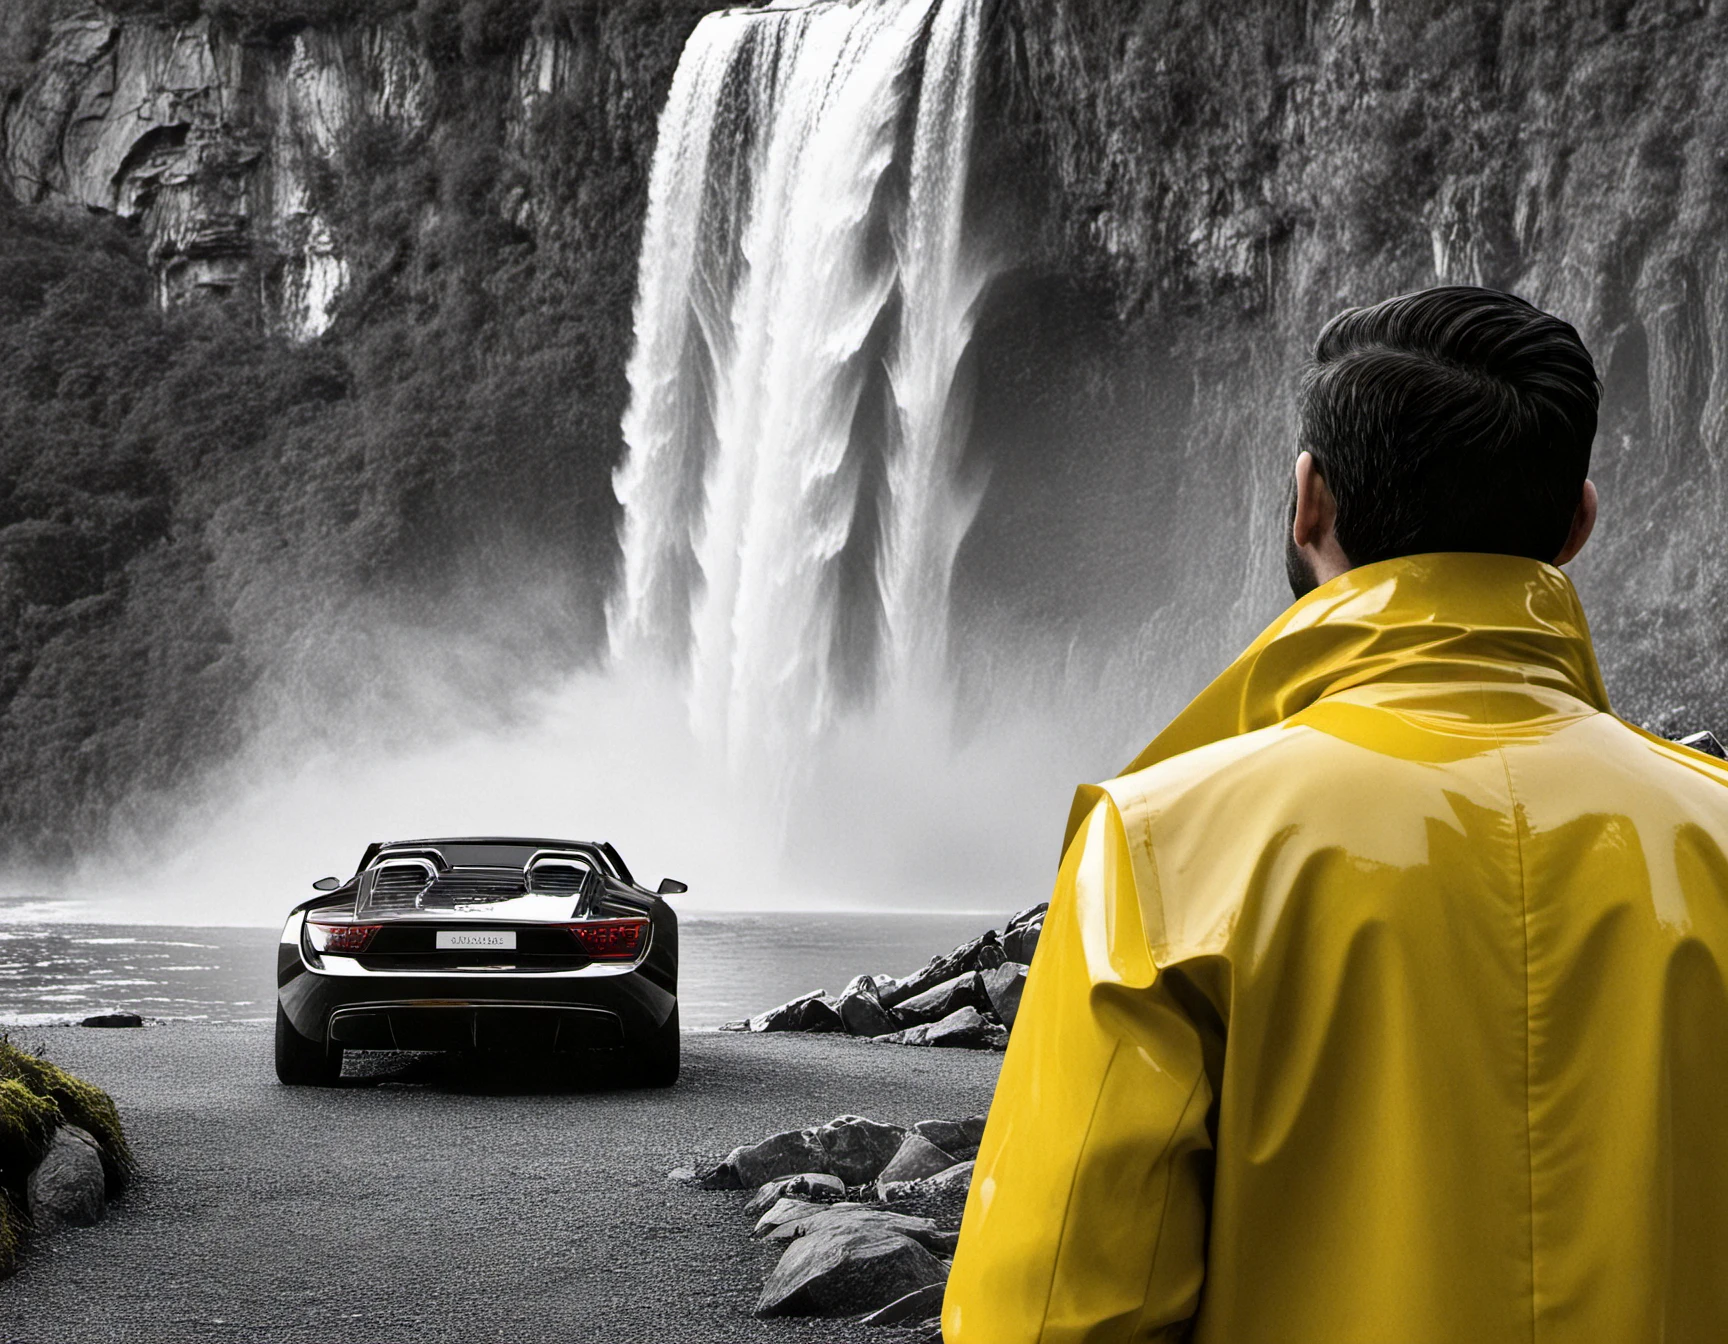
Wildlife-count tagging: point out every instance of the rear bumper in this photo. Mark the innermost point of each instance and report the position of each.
(492, 1027)
(604, 1007)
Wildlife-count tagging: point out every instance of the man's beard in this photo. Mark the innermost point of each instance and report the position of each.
(1297, 567)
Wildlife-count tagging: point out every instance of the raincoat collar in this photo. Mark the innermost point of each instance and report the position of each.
(1444, 617)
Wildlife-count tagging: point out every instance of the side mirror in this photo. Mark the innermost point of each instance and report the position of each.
(671, 886)
(327, 884)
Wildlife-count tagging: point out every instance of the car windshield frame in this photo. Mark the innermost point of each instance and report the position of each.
(494, 854)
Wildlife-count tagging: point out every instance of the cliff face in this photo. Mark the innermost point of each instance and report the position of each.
(213, 146)
(313, 327)
(312, 343)
(1220, 179)
(229, 153)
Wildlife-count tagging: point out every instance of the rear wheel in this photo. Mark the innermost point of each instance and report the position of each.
(301, 1061)
(658, 1065)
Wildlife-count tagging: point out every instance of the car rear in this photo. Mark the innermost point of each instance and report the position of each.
(555, 954)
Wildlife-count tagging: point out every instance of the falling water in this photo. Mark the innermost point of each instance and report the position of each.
(792, 511)
(792, 505)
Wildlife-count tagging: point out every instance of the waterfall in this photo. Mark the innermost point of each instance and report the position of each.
(790, 490)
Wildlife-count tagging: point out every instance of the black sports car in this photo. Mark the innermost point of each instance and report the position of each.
(492, 945)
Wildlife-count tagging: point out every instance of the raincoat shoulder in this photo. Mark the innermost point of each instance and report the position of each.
(1197, 824)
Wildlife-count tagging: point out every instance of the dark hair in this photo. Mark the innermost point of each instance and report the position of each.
(1454, 419)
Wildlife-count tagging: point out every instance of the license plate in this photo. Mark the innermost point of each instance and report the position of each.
(462, 940)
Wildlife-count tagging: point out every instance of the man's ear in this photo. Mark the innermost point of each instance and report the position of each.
(1583, 523)
(1314, 524)
(1316, 510)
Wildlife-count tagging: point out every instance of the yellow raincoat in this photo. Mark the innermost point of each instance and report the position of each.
(1381, 1001)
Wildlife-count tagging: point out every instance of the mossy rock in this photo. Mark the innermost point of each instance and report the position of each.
(70, 1101)
(36, 1098)
(27, 1118)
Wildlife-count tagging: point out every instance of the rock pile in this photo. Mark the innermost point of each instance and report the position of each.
(868, 1213)
(965, 998)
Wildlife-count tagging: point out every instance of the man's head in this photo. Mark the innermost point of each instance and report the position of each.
(1454, 419)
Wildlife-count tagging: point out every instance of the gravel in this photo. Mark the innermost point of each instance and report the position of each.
(451, 1208)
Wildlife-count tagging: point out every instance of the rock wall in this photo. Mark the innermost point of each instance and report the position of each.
(215, 147)
(1222, 178)
(229, 152)
(312, 343)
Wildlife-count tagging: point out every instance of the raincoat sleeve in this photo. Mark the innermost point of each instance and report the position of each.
(1087, 1214)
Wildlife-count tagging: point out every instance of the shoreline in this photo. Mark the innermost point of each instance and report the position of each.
(731, 966)
(49, 914)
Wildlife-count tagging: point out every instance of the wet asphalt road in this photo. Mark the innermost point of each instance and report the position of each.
(454, 1209)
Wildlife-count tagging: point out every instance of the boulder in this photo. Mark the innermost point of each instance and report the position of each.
(856, 1149)
(787, 1154)
(809, 1012)
(1705, 741)
(113, 1020)
(788, 1210)
(721, 1176)
(1003, 984)
(941, 1198)
(980, 954)
(916, 1157)
(861, 1011)
(805, 1185)
(968, 1029)
(67, 1187)
(960, 1137)
(849, 1147)
(934, 1004)
(841, 1270)
(1019, 942)
(802, 1222)
(1033, 914)
(965, 1028)
(919, 1305)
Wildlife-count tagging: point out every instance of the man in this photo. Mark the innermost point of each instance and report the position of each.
(1381, 1000)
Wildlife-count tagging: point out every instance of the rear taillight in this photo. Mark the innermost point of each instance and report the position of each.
(610, 939)
(339, 937)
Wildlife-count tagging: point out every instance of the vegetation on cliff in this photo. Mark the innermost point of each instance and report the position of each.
(199, 519)
(466, 30)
